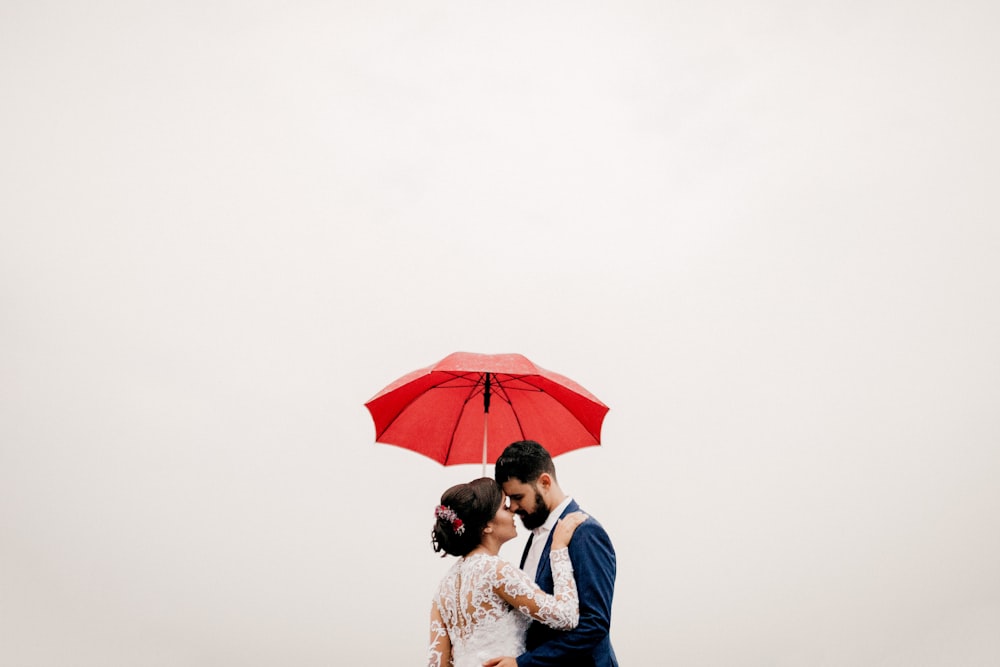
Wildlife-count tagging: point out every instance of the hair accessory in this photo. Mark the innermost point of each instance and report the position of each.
(448, 514)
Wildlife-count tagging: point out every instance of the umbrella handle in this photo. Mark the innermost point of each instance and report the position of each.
(486, 417)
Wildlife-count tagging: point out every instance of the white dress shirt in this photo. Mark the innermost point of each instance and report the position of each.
(540, 536)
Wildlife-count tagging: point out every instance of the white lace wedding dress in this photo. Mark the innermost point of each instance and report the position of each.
(484, 605)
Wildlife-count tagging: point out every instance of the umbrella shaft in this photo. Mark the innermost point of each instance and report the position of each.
(486, 418)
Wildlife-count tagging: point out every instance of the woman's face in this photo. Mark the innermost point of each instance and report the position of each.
(503, 524)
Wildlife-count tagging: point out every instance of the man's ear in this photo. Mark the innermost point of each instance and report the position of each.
(545, 481)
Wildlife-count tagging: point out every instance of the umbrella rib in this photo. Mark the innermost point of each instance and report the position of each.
(437, 385)
(534, 388)
(502, 389)
(472, 392)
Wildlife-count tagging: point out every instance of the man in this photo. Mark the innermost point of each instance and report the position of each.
(528, 477)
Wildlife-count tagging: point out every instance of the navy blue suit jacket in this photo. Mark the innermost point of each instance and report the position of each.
(594, 568)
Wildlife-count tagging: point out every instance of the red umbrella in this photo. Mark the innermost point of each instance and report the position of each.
(468, 407)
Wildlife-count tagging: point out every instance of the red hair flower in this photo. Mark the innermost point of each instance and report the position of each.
(448, 514)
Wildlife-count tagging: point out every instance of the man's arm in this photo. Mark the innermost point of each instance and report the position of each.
(594, 565)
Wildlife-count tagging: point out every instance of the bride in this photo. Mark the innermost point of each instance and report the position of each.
(483, 606)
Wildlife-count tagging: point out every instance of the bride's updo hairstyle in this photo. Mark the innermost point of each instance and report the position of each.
(464, 511)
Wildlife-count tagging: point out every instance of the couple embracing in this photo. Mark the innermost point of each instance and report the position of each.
(555, 610)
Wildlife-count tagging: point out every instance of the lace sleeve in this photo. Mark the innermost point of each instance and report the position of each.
(439, 651)
(561, 610)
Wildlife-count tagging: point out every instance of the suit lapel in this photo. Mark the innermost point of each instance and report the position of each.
(543, 576)
(544, 571)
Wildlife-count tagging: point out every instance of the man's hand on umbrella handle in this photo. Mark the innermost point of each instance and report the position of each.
(565, 529)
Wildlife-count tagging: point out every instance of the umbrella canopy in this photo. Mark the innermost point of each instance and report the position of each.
(468, 407)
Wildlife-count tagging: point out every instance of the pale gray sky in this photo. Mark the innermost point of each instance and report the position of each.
(766, 235)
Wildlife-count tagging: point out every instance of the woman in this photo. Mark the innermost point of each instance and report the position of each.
(483, 605)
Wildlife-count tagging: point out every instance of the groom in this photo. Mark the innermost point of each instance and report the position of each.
(528, 477)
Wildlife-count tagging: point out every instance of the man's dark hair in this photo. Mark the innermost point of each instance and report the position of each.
(525, 460)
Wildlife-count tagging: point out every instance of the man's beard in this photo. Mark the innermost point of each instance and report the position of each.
(538, 517)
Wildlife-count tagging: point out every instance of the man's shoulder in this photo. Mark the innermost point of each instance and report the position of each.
(591, 545)
(589, 531)
(574, 506)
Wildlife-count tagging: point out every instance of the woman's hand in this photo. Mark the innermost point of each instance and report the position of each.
(501, 662)
(564, 530)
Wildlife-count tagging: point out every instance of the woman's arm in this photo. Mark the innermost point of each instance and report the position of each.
(561, 610)
(439, 652)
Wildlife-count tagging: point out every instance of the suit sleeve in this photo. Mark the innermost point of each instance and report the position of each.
(594, 566)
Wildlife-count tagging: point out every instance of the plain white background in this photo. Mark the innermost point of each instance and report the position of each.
(765, 234)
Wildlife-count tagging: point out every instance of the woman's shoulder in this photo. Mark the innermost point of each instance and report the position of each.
(491, 563)
(483, 560)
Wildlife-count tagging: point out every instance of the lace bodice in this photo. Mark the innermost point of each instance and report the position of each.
(484, 604)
